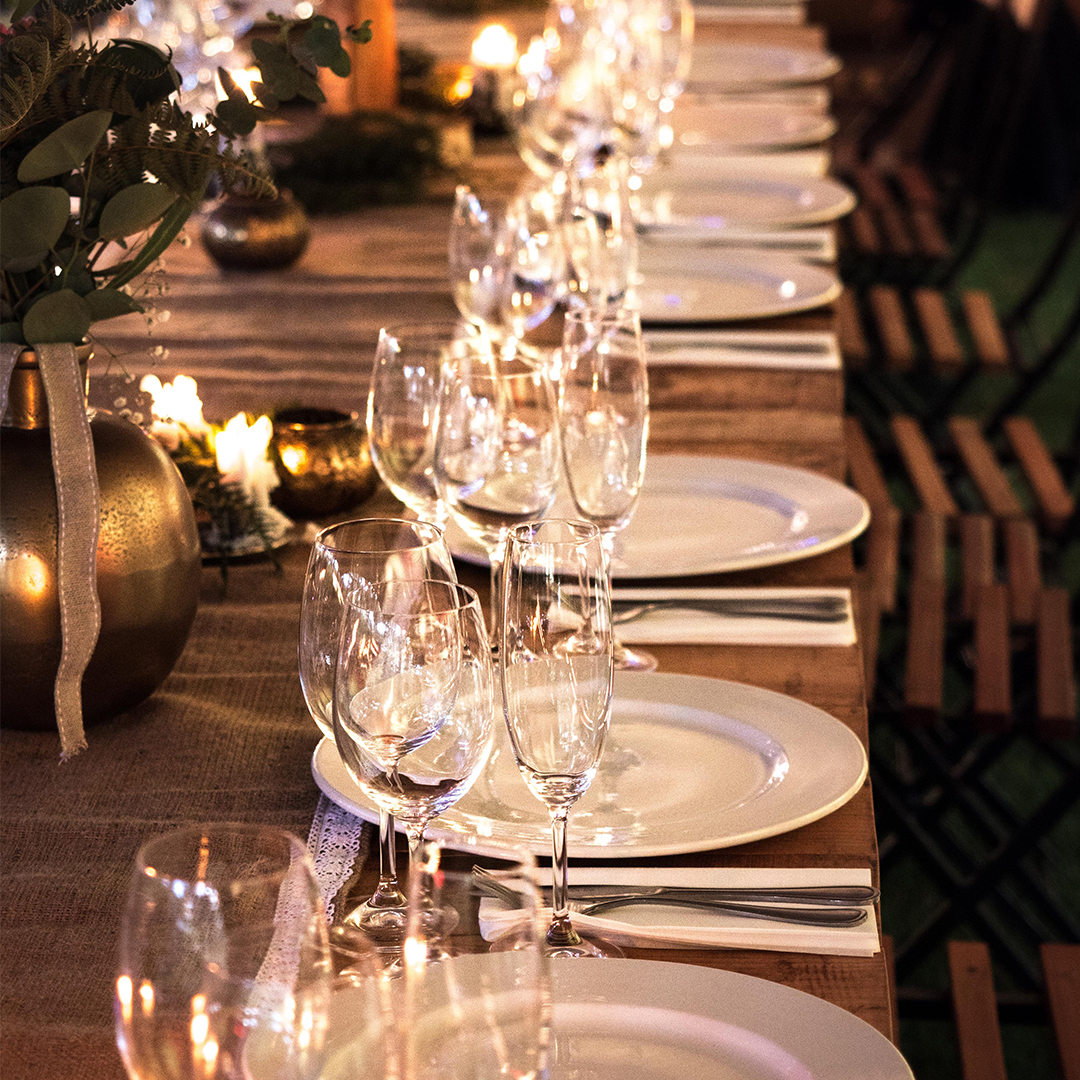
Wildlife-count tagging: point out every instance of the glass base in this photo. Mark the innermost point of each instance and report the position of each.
(382, 923)
(564, 942)
(626, 659)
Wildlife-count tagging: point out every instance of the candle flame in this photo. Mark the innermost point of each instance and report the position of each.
(495, 47)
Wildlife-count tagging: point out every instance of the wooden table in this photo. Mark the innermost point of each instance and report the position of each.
(228, 737)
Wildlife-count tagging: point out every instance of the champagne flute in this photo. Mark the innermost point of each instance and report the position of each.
(496, 447)
(401, 406)
(556, 671)
(432, 774)
(477, 256)
(344, 558)
(604, 412)
(223, 947)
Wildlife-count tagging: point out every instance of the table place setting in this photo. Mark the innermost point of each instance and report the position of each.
(794, 350)
(815, 245)
(701, 162)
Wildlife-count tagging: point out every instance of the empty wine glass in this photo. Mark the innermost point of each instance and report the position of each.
(432, 774)
(496, 447)
(556, 671)
(401, 407)
(604, 412)
(344, 558)
(477, 255)
(223, 944)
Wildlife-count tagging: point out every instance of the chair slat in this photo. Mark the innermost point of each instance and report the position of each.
(975, 1009)
(993, 660)
(918, 189)
(892, 327)
(991, 348)
(976, 559)
(978, 457)
(1061, 966)
(1055, 675)
(928, 540)
(883, 555)
(1056, 503)
(946, 352)
(929, 234)
(849, 332)
(866, 474)
(925, 662)
(1022, 567)
(922, 468)
(864, 231)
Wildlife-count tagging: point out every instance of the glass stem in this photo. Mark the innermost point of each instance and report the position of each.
(560, 932)
(415, 832)
(388, 893)
(496, 605)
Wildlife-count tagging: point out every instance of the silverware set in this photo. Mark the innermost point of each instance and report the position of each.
(824, 906)
(807, 609)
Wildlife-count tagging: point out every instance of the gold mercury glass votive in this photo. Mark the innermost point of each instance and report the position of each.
(323, 461)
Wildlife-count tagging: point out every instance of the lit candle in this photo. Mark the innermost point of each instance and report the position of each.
(176, 409)
(241, 458)
(496, 48)
(494, 54)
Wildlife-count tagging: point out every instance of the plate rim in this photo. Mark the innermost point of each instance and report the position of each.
(830, 64)
(824, 128)
(746, 562)
(694, 686)
(708, 993)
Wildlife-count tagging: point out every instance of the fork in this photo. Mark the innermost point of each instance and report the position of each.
(810, 609)
(710, 900)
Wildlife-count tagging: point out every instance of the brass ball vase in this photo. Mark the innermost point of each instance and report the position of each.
(245, 233)
(148, 563)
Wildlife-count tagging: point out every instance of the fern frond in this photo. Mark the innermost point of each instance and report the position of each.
(32, 58)
(80, 9)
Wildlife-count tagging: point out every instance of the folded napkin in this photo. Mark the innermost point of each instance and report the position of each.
(783, 14)
(677, 625)
(811, 245)
(713, 161)
(660, 926)
(793, 350)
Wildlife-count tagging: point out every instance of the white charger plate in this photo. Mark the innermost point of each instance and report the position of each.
(735, 66)
(732, 514)
(741, 201)
(749, 126)
(689, 764)
(746, 285)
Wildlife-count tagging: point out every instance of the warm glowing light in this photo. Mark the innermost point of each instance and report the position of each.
(123, 995)
(665, 135)
(241, 457)
(495, 47)
(415, 953)
(294, 458)
(32, 573)
(244, 78)
(176, 408)
(462, 88)
(146, 996)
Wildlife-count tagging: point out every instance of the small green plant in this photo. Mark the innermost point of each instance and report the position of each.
(101, 167)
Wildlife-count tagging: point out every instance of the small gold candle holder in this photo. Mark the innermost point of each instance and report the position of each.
(323, 461)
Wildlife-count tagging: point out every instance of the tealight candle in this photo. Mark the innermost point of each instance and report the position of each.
(177, 410)
(241, 455)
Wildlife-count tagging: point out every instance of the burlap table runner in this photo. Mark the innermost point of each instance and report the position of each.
(226, 738)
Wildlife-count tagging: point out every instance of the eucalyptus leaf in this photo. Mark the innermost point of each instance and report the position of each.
(360, 34)
(66, 148)
(58, 316)
(237, 115)
(133, 209)
(277, 69)
(110, 303)
(32, 220)
(21, 10)
(323, 41)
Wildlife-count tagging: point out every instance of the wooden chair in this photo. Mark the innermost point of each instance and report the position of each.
(977, 1011)
(976, 656)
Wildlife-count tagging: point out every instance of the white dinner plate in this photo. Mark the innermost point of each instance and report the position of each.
(742, 201)
(735, 66)
(743, 285)
(732, 514)
(749, 126)
(689, 764)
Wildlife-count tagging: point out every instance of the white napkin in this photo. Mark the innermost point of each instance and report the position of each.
(811, 245)
(792, 350)
(671, 626)
(711, 162)
(784, 14)
(659, 926)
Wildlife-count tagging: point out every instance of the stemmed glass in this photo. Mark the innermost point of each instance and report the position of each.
(345, 558)
(416, 779)
(401, 407)
(223, 947)
(604, 412)
(556, 671)
(496, 447)
(477, 256)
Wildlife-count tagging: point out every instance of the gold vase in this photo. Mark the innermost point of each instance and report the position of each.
(245, 233)
(323, 462)
(148, 562)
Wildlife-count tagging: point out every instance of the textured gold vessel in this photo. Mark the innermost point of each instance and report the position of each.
(243, 233)
(148, 563)
(323, 461)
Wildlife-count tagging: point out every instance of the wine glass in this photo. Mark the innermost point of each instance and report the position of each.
(477, 255)
(346, 557)
(223, 945)
(453, 1012)
(496, 447)
(604, 412)
(555, 663)
(401, 406)
(432, 774)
